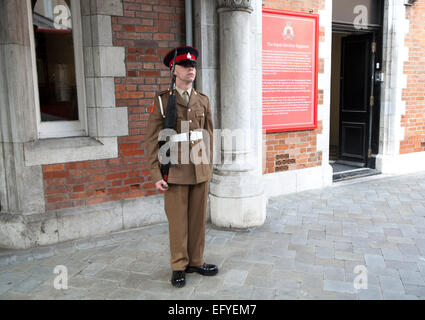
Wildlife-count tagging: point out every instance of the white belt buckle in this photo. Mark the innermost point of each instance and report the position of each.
(181, 137)
(187, 136)
(195, 135)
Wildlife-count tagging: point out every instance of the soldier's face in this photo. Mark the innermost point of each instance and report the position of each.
(185, 73)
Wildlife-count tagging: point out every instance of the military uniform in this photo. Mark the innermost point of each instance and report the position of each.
(185, 200)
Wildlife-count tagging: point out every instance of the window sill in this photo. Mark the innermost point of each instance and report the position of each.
(51, 151)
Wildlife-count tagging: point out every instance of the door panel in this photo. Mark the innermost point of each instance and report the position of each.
(353, 147)
(355, 97)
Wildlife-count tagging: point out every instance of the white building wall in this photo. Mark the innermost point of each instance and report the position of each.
(395, 54)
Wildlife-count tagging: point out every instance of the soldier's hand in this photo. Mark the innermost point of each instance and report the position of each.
(161, 185)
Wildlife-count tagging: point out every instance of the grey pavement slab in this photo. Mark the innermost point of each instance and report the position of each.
(310, 247)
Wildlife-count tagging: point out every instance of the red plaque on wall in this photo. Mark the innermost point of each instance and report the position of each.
(290, 70)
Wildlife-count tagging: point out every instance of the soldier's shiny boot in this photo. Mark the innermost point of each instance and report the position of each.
(178, 279)
(205, 269)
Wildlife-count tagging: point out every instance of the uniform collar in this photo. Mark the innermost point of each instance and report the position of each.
(180, 91)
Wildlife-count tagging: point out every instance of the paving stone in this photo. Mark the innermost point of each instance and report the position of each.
(10, 295)
(391, 284)
(316, 235)
(400, 240)
(412, 278)
(20, 267)
(334, 273)
(401, 265)
(263, 294)
(339, 286)
(231, 263)
(27, 286)
(305, 257)
(324, 252)
(308, 268)
(238, 292)
(262, 282)
(112, 275)
(13, 277)
(127, 294)
(141, 266)
(408, 249)
(344, 245)
(92, 269)
(374, 261)
(396, 295)
(75, 266)
(392, 254)
(50, 293)
(418, 291)
(54, 261)
(421, 266)
(106, 259)
(371, 293)
(236, 277)
(307, 249)
(136, 280)
(285, 293)
(82, 282)
(122, 263)
(6, 286)
(344, 255)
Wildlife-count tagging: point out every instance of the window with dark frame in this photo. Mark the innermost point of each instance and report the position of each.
(55, 60)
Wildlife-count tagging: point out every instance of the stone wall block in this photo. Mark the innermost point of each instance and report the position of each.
(95, 221)
(112, 122)
(107, 7)
(13, 23)
(105, 92)
(109, 62)
(101, 26)
(153, 208)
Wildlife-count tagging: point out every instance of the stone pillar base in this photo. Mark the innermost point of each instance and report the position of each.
(238, 213)
(237, 201)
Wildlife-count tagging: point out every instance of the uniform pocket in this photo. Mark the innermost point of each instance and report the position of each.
(200, 117)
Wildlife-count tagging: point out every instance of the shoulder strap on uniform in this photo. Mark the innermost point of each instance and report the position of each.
(197, 92)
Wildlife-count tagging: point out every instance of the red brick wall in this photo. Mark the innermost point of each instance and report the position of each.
(414, 119)
(148, 30)
(294, 150)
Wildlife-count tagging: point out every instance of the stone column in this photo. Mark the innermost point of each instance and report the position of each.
(236, 192)
(21, 188)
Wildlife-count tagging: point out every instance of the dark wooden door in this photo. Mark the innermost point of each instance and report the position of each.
(355, 98)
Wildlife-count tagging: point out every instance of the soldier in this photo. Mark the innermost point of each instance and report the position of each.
(186, 183)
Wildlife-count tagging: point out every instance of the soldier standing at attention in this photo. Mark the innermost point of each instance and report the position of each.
(186, 183)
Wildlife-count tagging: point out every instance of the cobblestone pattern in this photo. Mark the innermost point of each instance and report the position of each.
(308, 248)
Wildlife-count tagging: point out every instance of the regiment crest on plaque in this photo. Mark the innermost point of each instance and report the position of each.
(288, 32)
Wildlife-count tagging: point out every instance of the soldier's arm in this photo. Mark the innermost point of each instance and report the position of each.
(155, 125)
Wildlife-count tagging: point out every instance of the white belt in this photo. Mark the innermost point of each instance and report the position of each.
(187, 136)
